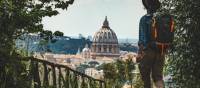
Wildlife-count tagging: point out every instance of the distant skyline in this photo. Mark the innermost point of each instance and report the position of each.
(86, 17)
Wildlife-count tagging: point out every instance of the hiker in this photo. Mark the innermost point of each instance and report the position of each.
(153, 44)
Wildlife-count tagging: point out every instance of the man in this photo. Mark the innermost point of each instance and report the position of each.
(150, 59)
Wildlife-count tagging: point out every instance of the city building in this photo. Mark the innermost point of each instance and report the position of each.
(68, 45)
(94, 73)
(86, 52)
(105, 43)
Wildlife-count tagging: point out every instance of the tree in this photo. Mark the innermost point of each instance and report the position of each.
(58, 33)
(184, 60)
(16, 18)
(48, 37)
(118, 73)
(110, 74)
(82, 68)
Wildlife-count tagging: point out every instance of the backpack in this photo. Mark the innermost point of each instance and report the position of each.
(163, 31)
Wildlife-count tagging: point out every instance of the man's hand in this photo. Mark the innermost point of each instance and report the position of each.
(140, 53)
(140, 56)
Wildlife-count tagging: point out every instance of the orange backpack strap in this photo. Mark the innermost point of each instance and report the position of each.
(172, 25)
(154, 28)
(162, 46)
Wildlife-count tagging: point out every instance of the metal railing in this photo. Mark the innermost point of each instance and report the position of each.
(45, 74)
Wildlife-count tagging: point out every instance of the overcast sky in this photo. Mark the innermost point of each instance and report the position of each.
(86, 17)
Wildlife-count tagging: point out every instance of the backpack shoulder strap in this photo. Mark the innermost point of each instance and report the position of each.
(172, 25)
(154, 29)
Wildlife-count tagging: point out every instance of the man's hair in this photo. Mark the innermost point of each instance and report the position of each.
(151, 5)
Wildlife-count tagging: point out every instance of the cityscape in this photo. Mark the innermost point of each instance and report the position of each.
(99, 43)
(103, 47)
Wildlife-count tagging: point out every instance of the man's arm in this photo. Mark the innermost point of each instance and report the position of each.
(141, 39)
(141, 33)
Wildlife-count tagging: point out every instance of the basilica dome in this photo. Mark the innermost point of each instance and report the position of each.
(86, 52)
(105, 42)
(105, 34)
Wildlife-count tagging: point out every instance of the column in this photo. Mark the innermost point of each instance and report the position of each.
(107, 48)
(102, 48)
(113, 51)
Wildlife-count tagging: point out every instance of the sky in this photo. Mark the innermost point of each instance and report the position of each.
(86, 17)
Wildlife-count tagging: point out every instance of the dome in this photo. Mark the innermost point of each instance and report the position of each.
(105, 42)
(105, 34)
(86, 50)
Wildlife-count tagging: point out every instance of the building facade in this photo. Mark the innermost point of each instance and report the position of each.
(105, 42)
(86, 52)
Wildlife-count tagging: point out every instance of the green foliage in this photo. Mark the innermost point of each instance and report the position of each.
(184, 61)
(116, 74)
(58, 33)
(14, 73)
(138, 83)
(46, 38)
(46, 35)
(16, 18)
(82, 68)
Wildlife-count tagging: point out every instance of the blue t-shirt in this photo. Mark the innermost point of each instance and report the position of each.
(145, 27)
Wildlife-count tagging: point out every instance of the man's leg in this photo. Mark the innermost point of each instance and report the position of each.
(145, 67)
(157, 70)
(145, 75)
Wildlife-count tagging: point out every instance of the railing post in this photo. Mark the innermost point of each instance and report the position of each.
(59, 78)
(35, 72)
(67, 77)
(54, 75)
(83, 82)
(101, 84)
(45, 80)
(104, 84)
(90, 83)
(75, 80)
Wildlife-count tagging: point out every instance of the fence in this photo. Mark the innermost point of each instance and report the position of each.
(45, 74)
